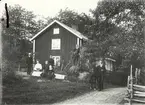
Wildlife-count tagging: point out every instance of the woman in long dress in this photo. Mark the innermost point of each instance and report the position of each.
(37, 69)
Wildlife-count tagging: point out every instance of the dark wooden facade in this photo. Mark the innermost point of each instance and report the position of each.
(42, 44)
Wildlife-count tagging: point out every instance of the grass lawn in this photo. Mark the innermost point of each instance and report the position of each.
(48, 92)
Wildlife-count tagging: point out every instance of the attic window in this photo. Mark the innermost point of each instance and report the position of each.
(56, 31)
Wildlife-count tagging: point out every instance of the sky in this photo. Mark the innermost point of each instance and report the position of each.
(52, 7)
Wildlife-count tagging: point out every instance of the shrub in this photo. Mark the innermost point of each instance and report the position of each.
(84, 76)
(72, 73)
(73, 70)
(9, 73)
(8, 67)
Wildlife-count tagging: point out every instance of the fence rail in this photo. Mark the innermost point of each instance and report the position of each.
(135, 92)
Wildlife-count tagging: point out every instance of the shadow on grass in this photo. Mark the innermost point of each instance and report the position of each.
(32, 92)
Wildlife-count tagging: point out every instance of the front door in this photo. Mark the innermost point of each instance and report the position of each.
(56, 60)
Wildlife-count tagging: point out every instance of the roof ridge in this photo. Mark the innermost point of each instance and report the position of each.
(75, 32)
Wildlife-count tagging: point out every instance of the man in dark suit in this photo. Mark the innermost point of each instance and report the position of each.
(102, 70)
(29, 62)
(97, 75)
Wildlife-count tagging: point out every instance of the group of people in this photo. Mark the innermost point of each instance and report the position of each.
(97, 75)
(46, 70)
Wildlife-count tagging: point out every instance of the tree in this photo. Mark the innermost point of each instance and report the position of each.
(16, 38)
(118, 29)
(70, 17)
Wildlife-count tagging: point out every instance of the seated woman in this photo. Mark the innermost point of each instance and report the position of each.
(51, 74)
(37, 69)
(45, 69)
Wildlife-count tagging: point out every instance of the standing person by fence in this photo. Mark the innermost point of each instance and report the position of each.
(102, 75)
(95, 76)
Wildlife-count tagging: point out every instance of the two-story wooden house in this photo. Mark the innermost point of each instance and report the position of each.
(56, 40)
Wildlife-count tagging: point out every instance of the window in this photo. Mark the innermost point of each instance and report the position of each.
(55, 44)
(109, 65)
(56, 31)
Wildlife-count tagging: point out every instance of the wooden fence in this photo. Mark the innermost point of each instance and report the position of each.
(136, 93)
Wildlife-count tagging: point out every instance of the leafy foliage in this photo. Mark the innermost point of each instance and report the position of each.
(118, 30)
(15, 41)
(72, 18)
(16, 38)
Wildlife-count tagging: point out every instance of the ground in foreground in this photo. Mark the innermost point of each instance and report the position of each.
(56, 91)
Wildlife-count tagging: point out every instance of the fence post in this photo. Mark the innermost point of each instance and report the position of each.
(128, 82)
(139, 76)
(136, 76)
(131, 86)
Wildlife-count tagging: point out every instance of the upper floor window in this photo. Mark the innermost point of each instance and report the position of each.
(56, 44)
(56, 31)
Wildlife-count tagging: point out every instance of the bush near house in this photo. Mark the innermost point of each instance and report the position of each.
(79, 71)
(72, 73)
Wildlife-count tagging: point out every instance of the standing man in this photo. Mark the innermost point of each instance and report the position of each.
(29, 62)
(102, 74)
(95, 76)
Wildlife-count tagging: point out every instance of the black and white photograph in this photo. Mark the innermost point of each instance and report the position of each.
(72, 52)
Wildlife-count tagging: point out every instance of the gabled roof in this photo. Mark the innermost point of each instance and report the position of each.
(73, 31)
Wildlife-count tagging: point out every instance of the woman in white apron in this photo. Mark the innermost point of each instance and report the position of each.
(37, 69)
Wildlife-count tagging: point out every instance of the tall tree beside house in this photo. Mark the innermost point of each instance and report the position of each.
(16, 38)
(118, 29)
(15, 41)
(41, 23)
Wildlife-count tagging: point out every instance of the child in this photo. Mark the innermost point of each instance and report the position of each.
(51, 72)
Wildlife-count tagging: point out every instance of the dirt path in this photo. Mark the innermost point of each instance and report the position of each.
(107, 96)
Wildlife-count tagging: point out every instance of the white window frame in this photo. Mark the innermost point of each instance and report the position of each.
(55, 58)
(55, 31)
(56, 44)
